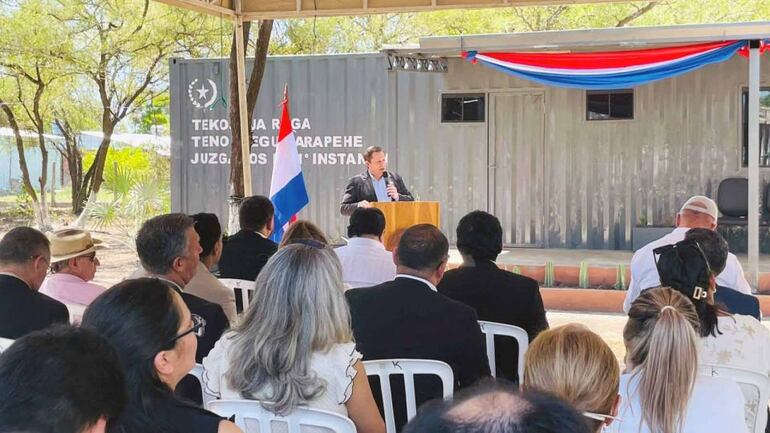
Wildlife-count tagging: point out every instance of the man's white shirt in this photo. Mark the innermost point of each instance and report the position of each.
(365, 262)
(644, 273)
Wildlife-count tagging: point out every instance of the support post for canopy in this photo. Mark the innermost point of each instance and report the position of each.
(242, 110)
(753, 122)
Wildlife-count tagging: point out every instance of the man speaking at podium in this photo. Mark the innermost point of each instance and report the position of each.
(375, 184)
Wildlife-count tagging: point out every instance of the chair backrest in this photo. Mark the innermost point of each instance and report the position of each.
(384, 368)
(5, 343)
(250, 416)
(732, 197)
(755, 387)
(491, 329)
(245, 287)
(206, 395)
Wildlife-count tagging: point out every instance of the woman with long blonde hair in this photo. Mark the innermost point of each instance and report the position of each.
(577, 366)
(661, 391)
(294, 345)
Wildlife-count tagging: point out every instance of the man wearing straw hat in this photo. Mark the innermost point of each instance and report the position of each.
(73, 265)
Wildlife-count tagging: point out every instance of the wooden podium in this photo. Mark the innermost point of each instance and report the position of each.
(400, 215)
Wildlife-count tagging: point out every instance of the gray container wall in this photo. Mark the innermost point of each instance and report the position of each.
(599, 178)
(342, 99)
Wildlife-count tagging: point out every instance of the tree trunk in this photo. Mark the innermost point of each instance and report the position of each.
(39, 208)
(94, 177)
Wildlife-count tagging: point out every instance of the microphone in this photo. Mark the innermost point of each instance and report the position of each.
(388, 181)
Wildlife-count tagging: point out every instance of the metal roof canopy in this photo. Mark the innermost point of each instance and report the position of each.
(252, 10)
(585, 40)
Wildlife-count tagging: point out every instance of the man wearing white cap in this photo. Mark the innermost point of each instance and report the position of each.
(697, 212)
(73, 265)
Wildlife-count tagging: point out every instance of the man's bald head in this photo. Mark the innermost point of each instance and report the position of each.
(498, 410)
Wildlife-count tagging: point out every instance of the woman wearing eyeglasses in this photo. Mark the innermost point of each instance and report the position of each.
(151, 328)
(576, 365)
(661, 391)
(294, 345)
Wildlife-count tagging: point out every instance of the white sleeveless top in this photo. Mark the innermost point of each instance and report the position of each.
(335, 367)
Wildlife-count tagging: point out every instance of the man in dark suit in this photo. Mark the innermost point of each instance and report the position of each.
(168, 247)
(715, 248)
(25, 256)
(246, 252)
(408, 318)
(375, 184)
(496, 294)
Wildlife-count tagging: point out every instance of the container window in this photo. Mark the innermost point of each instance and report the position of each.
(610, 104)
(764, 127)
(462, 108)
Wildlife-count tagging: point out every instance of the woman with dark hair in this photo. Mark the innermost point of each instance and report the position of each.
(731, 340)
(155, 337)
(497, 295)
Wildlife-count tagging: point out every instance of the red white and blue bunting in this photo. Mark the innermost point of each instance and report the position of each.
(609, 70)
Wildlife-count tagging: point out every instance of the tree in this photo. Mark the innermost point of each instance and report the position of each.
(31, 62)
(123, 49)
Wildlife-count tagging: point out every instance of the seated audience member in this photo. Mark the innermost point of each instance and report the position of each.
(714, 247)
(24, 260)
(60, 380)
(204, 284)
(697, 212)
(661, 390)
(365, 261)
(294, 346)
(169, 249)
(408, 318)
(246, 252)
(497, 295)
(73, 265)
(497, 410)
(576, 365)
(303, 230)
(732, 340)
(155, 336)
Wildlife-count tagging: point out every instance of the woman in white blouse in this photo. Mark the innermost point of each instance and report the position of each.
(661, 391)
(730, 340)
(294, 345)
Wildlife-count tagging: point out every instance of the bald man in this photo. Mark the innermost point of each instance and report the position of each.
(498, 410)
(697, 212)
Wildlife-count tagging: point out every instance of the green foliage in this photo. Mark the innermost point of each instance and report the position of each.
(372, 33)
(155, 113)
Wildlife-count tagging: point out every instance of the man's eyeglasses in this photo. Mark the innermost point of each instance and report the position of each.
(91, 257)
(198, 328)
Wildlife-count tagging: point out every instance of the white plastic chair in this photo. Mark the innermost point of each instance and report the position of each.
(491, 329)
(755, 388)
(5, 343)
(250, 414)
(245, 287)
(206, 396)
(384, 368)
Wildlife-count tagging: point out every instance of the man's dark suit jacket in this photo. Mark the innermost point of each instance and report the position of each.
(244, 254)
(216, 324)
(404, 318)
(498, 296)
(23, 310)
(737, 302)
(361, 188)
